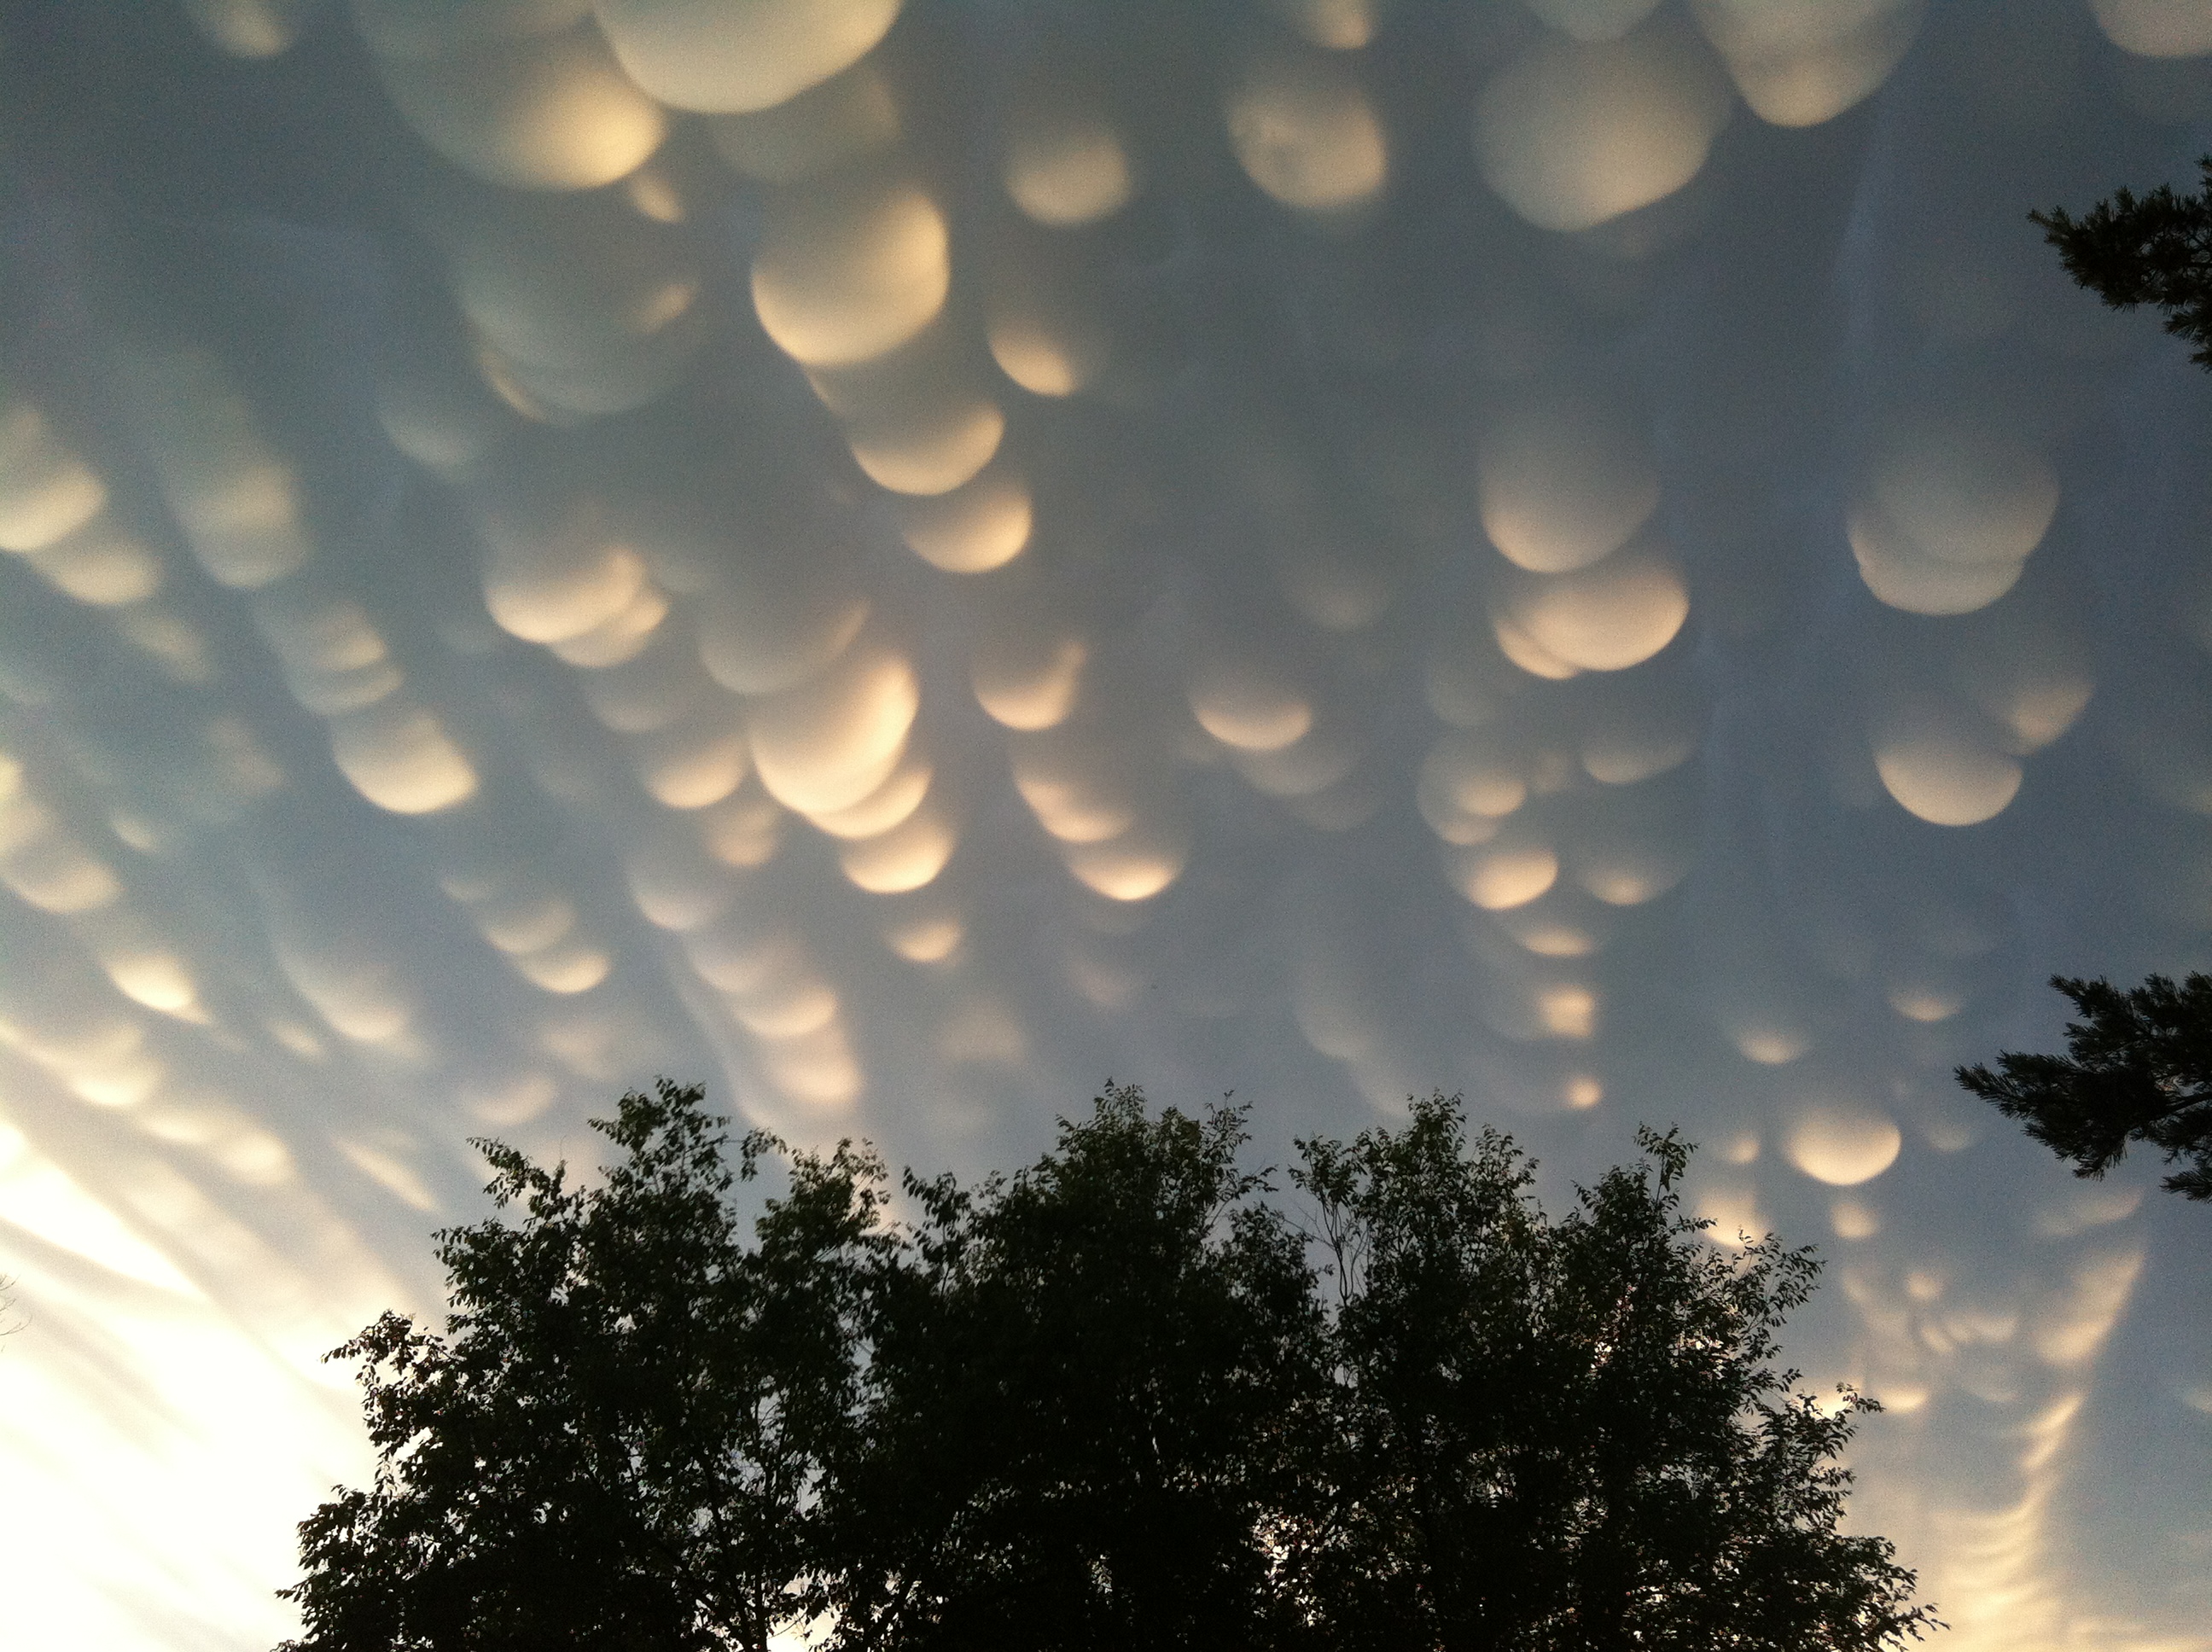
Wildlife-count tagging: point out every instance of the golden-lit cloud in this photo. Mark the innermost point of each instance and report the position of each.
(1799, 63)
(1841, 1145)
(1304, 132)
(850, 273)
(891, 557)
(550, 111)
(713, 57)
(1066, 164)
(1573, 132)
(2155, 29)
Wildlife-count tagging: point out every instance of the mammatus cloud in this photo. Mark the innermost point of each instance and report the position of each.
(905, 560)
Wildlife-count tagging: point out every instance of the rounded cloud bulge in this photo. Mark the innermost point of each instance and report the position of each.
(903, 559)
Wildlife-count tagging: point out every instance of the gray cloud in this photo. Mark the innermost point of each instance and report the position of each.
(904, 562)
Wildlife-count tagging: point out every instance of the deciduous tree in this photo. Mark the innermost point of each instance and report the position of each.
(1569, 1436)
(618, 1439)
(1090, 1385)
(1119, 1400)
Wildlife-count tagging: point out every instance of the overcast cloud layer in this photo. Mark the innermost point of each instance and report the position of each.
(904, 564)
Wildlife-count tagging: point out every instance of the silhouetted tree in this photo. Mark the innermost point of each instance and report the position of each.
(1088, 1384)
(616, 1443)
(2138, 1068)
(2153, 249)
(1568, 1435)
(1111, 1401)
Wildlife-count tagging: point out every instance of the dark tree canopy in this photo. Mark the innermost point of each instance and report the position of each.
(2152, 249)
(1119, 1400)
(617, 1442)
(1561, 1436)
(1088, 1381)
(2138, 1068)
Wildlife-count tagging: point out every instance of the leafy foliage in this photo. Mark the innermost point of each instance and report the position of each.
(1119, 1400)
(619, 1439)
(2151, 249)
(1569, 1435)
(1081, 1382)
(2138, 1068)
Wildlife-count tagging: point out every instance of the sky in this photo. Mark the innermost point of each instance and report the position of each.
(903, 562)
